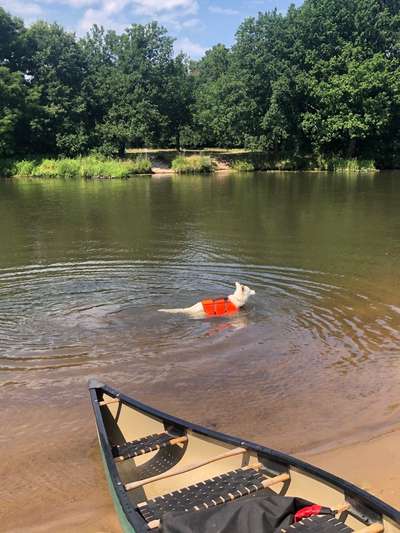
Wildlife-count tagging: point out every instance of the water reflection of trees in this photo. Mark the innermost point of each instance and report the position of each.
(310, 220)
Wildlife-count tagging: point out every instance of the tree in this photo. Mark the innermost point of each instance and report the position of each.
(56, 70)
(176, 100)
(138, 93)
(213, 65)
(351, 82)
(12, 109)
(321, 80)
(11, 40)
(224, 112)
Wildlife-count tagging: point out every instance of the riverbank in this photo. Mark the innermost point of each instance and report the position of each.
(372, 464)
(81, 167)
(242, 160)
(171, 162)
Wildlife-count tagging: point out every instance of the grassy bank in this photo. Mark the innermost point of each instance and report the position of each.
(83, 167)
(337, 164)
(243, 166)
(193, 164)
(170, 161)
(262, 161)
(241, 160)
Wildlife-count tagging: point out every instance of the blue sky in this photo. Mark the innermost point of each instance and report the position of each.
(196, 24)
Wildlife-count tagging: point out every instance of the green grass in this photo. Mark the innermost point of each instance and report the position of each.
(338, 164)
(24, 167)
(83, 167)
(91, 167)
(96, 166)
(46, 168)
(68, 168)
(141, 165)
(193, 164)
(243, 166)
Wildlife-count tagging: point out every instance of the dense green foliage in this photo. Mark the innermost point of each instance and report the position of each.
(66, 96)
(80, 167)
(320, 82)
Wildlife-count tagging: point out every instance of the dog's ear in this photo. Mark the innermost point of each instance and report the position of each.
(237, 284)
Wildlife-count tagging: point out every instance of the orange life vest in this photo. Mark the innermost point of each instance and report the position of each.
(219, 307)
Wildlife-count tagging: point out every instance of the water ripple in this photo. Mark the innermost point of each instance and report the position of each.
(56, 315)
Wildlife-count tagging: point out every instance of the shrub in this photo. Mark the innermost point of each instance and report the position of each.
(24, 168)
(47, 169)
(68, 168)
(84, 167)
(285, 164)
(337, 164)
(192, 165)
(243, 166)
(7, 168)
(92, 167)
(142, 165)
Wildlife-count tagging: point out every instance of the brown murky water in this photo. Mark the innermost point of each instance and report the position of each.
(84, 266)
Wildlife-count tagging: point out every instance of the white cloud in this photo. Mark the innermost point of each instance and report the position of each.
(26, 10)
(77, 3)
(111, 14)
(191, 23)
(188, 47)
(81, 3)
(223, 10)
(101, 17)
(141, 7)
(176, 15)
(154, 7)
(72, 3)
(114, 6)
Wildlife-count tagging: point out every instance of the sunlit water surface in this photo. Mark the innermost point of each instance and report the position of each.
(85, 266)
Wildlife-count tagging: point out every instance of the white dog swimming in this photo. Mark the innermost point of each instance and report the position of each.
(222, 306)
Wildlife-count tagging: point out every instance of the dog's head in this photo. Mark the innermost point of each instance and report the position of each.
(243, 293)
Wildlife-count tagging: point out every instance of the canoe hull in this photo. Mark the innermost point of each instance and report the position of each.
(122, 419)
(125, 525)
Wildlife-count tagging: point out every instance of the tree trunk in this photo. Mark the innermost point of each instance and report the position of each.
(121, 150)
(352, 149)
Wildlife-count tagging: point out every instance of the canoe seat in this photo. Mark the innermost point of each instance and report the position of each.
(318, 524)
(205, 494)
(144, 445)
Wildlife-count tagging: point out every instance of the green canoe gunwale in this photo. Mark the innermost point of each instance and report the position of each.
(125, 524)
(129, 518)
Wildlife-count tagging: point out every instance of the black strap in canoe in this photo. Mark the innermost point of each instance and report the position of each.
(144, 445)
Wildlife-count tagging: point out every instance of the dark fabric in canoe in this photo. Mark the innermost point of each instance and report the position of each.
(263, 512)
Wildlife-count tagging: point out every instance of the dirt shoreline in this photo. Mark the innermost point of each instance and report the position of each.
(373, 465)
(53, 479)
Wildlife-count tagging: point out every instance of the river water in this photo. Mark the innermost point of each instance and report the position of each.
(312, 360)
